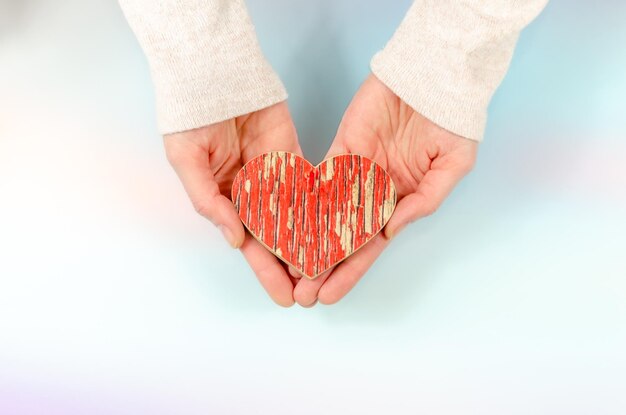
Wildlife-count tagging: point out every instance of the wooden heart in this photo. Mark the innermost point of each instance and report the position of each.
(313, 217)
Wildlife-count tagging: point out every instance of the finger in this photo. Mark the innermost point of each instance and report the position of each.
(337, 147)
(294, 276)
(435, 186)
(349, 272)
(294, 273)
(192, 167)
(284, 140)
(305, 293)
(285, 137)
(310, 305)
(278, 132)
(353, 136)
(269, 271)
(297, 150)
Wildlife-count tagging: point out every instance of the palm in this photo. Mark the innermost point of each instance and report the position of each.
(381, 126)
(424, 160)
(230, 144)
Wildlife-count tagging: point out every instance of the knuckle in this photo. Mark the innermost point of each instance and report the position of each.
(204, 208)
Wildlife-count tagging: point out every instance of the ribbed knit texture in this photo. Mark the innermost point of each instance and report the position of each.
(205, 61)
(445, 60)
(448, 57)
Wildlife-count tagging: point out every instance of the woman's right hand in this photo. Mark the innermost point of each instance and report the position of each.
(207, 159)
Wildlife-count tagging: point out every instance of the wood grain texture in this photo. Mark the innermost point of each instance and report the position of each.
(313, 217)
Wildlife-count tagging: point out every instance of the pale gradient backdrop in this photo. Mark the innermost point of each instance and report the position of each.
(116, 298)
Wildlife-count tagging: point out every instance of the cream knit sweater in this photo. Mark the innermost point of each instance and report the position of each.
(445, 60)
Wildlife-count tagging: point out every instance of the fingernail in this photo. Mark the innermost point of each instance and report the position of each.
(294, 273)
(229, 236)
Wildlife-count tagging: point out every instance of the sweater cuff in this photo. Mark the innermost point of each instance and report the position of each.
(447, 58)
(205, 61)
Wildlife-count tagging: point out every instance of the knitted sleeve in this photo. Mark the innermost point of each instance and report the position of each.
(205, 60)
(447, 58)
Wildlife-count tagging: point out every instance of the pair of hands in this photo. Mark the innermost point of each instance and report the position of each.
(424, 161)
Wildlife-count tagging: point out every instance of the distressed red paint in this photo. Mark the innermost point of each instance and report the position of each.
(313, 217)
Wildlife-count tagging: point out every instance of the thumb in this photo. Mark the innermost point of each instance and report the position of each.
(336, 148)
(435, 186)
(197, 178)
(409, 209)
(338, 145)
(221, 212)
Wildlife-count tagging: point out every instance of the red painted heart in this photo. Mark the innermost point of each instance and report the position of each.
(313, 217)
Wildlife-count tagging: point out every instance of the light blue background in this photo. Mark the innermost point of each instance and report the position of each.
(116, 298)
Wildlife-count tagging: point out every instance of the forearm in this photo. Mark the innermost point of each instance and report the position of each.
(448, 57)
(205, 61)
